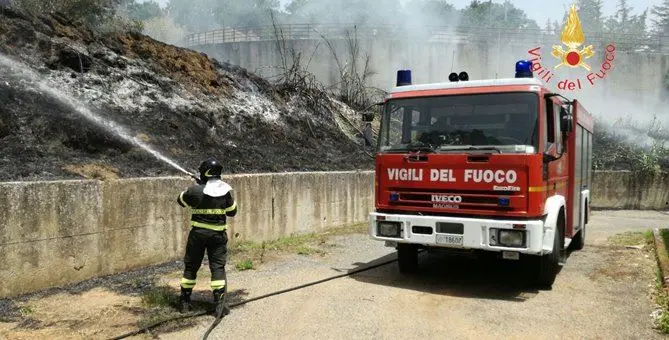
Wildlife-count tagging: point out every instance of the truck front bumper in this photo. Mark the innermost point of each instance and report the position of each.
(521, 236)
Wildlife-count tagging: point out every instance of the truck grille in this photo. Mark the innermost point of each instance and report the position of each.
(469, 200)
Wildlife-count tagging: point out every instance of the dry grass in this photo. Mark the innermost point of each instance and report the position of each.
(660, 294)
(618, 251)
(632, 239)
(182, 65)
(302, 244)
(93, 171)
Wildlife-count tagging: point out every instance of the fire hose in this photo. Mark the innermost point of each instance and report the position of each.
(237, 304)
(218, 320)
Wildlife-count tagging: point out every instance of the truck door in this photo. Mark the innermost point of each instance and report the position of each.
(556, 173)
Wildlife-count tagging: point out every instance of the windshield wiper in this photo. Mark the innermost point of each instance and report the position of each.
(473, 148)
(413, 147)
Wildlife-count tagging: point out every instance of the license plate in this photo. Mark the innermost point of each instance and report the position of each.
(510, 255)
(451, 240)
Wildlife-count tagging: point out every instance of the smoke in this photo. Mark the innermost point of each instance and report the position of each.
(626, 95)
(421, 35)
(164, 29)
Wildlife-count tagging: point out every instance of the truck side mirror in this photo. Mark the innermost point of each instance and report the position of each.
(369, 116)
(566, 121)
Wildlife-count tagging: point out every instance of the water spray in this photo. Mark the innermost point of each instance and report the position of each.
(20, 68)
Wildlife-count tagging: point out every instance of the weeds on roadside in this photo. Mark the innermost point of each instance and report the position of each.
(244, 265)
(26, 310)
(660, 293)
(662, 300)
(162, 296)
(302, 244)
(633, 238)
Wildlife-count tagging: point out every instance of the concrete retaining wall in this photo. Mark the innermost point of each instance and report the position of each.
(54, 233)
(432, 61)
(624, 190)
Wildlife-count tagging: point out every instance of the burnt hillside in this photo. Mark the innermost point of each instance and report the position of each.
(180, 102)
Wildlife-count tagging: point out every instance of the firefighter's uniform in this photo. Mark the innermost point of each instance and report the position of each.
(211, 203)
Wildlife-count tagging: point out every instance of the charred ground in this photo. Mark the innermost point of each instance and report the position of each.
(183, 103)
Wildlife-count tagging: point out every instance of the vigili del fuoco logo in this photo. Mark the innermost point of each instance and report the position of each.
(575, 56)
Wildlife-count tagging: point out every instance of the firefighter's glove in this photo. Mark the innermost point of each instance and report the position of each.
(197, 179)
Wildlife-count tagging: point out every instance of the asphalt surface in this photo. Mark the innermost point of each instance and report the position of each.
(601, 293)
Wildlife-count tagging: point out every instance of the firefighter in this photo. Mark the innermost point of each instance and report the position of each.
(211, 203)
(368, 134)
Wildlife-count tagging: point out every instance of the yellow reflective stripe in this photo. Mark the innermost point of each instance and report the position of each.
(214, 211)
(558, 185)
(208, 211)
(187, 283)
(217, 284)
(181, 198)
(217, 227)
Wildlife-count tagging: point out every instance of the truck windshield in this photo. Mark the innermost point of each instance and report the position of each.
(502, 122)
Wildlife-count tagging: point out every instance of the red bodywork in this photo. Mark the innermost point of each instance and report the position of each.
(535, 183)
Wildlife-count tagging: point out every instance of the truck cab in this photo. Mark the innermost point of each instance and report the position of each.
(498, 165)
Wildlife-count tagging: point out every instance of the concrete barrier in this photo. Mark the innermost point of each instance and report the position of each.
(55, 233)
(625, 190)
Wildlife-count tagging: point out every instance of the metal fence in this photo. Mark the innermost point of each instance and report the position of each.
(476, 35)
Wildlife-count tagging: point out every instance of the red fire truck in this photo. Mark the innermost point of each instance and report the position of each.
(499, 166)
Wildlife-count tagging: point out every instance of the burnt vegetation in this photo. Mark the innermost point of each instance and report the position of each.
(181, 102)
(628, 145)
(94, 46)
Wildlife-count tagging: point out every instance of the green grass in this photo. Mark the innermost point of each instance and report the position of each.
(632, 238)
(661, 298)
(26, 310)
(162, 296)
(297, 243)
(660, 294)
(306, 250)
(647, 239)
(247, 253)
(664, 233)
(244, 265)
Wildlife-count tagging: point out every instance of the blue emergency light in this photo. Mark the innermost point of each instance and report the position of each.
(394, 196)
(524, 69)
(403, 77)
(504, 201)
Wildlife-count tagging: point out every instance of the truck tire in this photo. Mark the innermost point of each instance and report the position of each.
(407, 258)
(549, 264)
(579, 239)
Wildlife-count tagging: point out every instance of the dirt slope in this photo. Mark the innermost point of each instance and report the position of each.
(183, 103)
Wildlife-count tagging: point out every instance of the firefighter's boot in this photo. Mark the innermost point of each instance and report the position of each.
(222, 308)
(184, 300)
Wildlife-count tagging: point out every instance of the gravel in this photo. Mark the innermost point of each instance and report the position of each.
(602, 292)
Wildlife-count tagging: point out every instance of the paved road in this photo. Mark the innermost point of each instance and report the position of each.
(601, 293)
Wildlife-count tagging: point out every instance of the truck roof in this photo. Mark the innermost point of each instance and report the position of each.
(469, 83)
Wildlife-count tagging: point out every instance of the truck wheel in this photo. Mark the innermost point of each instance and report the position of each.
(579, 239)
(549, 264)
(407, 257)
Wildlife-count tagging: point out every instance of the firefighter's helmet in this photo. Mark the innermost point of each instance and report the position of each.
(210, 168)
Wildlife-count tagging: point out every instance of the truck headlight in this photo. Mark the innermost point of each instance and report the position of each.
(512, 238)
(388, 229)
